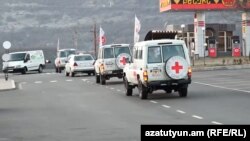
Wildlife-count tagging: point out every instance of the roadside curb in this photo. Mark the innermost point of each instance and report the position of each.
(229, 67)
(7, 85)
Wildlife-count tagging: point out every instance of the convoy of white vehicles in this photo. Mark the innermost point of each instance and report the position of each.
(152, 65)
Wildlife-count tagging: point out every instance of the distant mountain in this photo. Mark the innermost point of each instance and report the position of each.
(38, 24)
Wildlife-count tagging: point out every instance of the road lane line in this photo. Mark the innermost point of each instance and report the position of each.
(38, 82)
(69, 80)
(112, 88)
(84, 80)
(48, 73)
(166, 106)
(180, 111)
(231, 82)
(215, 122)
(53, 81)
(153, 101)
(118, 90)
(221, 87)
(198, 117)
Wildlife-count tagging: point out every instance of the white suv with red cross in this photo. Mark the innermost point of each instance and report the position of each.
(111, 61)
(158, 65)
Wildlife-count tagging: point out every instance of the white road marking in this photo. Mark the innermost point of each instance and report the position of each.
(84, 80)
(69, 80)
(166, 106)
(48, 73)
(180, 111)
(198, 117)
(53, 81)
(233, 89)
(215, 122)
(20, 86)
(112, 88)
(118, 90)
(231, 82)
(38, 82)
(153, 101)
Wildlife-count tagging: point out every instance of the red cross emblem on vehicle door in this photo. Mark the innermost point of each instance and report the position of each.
(177, 67)
(123, 61)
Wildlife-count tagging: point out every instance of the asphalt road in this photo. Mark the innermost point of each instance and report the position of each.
(52, 107)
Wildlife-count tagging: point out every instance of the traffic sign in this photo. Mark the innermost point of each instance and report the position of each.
(6, 57)
(6, 44)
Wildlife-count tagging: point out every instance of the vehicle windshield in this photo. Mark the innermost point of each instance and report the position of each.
(172, 50)
(119, 50)
(17, 57)
(108, 53)
(83, 58)
(66, 53)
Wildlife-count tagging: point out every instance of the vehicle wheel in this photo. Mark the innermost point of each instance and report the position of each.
(66, 73)
(93, 73)
(183, 92)
(89, 74)
(59, 70)
(40, 69)
(168, 91)
(24, 71)
(102, 79)
(97, 78)
(72, 74)
(143, 92)
(56, 69)
(128, 88)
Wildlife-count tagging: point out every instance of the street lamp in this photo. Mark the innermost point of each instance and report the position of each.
(204, 44)
(182, 27)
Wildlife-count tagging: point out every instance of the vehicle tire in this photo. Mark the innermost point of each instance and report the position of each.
(103, 80)
(128, 88)
(56, 69)
(89, 74)
(143, 92)
(59, 70)
(66, 73)
(168, 91)
(40, 69)
(24, 71)
(72, 74)
(183, 92)
(97, 78)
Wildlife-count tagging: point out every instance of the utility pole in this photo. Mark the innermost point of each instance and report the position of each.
(95, 44)
(75, 39)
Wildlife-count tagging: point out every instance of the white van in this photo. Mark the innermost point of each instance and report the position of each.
(25, 61)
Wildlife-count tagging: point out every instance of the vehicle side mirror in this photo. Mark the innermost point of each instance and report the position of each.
(26, 60)
(47, 61)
